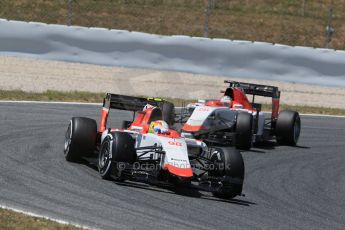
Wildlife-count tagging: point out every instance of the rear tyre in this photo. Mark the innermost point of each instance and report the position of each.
(168, 111)
(228, 163)
(80, 138)
(117, 150)
(244, 131)
(288, 128)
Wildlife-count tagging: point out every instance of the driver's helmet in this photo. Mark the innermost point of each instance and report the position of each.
(147, 106)
(225, 99)
(159, 127)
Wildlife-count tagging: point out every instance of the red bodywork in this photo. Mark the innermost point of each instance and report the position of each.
(141, 122)
(181, 172)
(239, 97)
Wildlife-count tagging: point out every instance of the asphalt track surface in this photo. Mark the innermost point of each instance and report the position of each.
(286, 187)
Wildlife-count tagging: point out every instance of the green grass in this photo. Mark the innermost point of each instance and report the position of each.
(78, 96)
(256, 20)
(12, 220)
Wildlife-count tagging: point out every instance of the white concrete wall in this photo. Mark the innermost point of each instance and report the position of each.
(242, 59)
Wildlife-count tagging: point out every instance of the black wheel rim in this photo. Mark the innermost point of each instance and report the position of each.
(104, 157)
(217, 169)
(68, 139)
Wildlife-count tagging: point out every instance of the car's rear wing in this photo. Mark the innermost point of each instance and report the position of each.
(260, 90)
(124, 102)
(130, 103)
(255, 89)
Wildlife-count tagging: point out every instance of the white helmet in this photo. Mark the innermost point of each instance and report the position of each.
(147, 106)
(226, 99)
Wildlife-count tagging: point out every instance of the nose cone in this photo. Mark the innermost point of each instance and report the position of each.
(181, 172)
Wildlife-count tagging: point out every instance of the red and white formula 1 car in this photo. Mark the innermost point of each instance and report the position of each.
(235, 118)
(147, 150)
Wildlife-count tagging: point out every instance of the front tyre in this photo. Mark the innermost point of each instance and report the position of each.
(117, 150)
(288, 128)
(228, 163)
(80, 138)
(104, 159)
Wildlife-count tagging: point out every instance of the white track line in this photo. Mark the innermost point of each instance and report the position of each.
(99, 104)
(43, 216)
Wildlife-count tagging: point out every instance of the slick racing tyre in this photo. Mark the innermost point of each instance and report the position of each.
(244, 131)
(117, 150)
(80, 138)
(228, 164)
(288, 128)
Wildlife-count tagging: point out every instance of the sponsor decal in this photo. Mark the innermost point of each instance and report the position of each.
(175, 143)
(203, 109)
